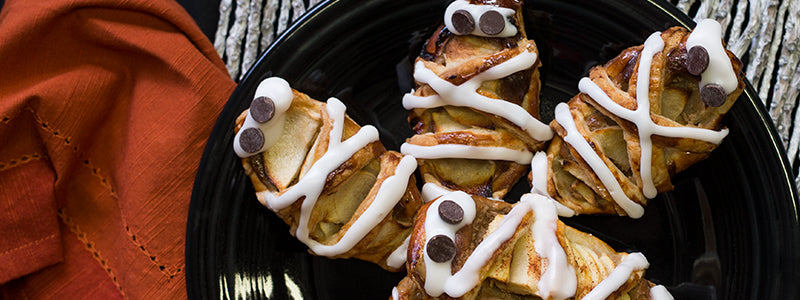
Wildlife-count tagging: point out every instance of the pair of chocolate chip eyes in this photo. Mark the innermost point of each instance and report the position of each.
(697, 61)
(262, 109)
(490, 22)
(442, 248)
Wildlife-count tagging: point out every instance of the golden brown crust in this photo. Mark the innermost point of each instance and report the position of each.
(674, 102)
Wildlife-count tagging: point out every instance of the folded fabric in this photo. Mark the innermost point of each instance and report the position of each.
(105, 108)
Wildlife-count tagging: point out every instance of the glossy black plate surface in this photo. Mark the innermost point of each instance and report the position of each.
(729, 229)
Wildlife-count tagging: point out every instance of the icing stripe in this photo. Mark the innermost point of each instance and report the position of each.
(467, 152)
(539, 167)
(398, 257)
(395, 293)
(659, 292)
(432, 191)
(558, 280)
(631, 263)
(652, 46)
(539, 173)
(466, 94)
(598, 166)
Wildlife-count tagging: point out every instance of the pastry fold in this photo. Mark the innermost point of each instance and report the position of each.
(512, 251)
(474, 111)
(619, 142)
(340, 191)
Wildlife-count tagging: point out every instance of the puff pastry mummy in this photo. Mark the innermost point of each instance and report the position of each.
(341, 192)
(620, 141)
(474, 111)
(470, 247)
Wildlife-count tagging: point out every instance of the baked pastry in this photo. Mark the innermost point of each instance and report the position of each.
(341, 192)
(474, 111)
(470, 247)
(620, 142)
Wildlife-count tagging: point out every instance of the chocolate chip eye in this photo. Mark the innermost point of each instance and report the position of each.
(697, 60)
(441, 248)
(262, 109)
(713, 95)
(462, 22)
(251, 140)
(451, 212)
(492, 22)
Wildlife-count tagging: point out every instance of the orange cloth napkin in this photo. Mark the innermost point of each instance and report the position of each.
(105, 108)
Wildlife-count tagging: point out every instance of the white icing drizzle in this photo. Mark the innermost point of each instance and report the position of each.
(311, 184)
(539, 173)
(438, 275)
(576, 140)
(399, 255)
(431, 191)
(558, 280)
(659, 292)
(641, 116)
(539, 182)
(652, 46)
(466, 95)
(631, 263)
(467, 152)
(395, 293)
(708, 34)
(280, 92)
(476, 11)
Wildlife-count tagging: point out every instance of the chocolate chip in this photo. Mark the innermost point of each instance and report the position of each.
(262, 109)
(251, 140)
(492, 22)
(462, 22)
(441, 248)
(713, 95)
(451, 212)
(697, 60)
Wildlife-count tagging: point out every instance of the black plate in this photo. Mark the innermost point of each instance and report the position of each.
(739, 207)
